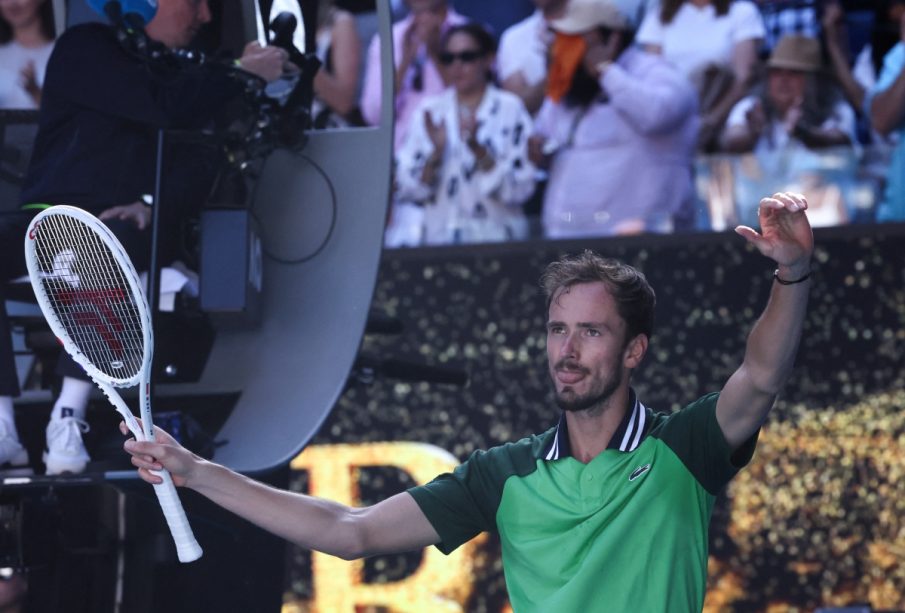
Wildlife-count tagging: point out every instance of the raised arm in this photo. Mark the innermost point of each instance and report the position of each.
(749, 394)
(887, 107)
(394, 525)
(338, 87)
(836, 39)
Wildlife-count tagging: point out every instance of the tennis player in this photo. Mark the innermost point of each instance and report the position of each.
(607, 510)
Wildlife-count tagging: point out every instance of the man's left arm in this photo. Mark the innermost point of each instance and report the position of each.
(749, 394)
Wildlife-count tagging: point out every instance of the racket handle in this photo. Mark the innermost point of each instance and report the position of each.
(187, 548)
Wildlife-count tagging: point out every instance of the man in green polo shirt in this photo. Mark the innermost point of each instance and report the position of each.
(607, 511)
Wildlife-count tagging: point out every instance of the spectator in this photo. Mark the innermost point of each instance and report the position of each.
(715, 43)
(524, 54)
(858, 79)
(786, 127)
(416, 44)
(886, 105)
(26, 40)
(336, 83)
(782, 17)
(465, 156)
(790, 112)
(620, 144)
(855, 80)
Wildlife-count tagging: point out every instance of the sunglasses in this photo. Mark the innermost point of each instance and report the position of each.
(466, 57)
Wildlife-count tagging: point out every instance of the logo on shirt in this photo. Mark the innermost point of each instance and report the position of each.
(638, 472)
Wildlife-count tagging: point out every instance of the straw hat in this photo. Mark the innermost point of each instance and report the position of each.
(796, 52)
(586, 15)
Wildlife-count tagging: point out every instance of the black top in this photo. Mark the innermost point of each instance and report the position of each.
(100, 113)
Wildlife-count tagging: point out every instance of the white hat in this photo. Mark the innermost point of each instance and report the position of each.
(586, 15)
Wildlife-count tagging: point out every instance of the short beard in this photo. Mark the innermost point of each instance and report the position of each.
(583, 403)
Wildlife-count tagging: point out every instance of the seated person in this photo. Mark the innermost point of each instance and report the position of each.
(791, 112)
(715, 43)
(26, 40)
(620, 143)
(102, 108)
(465, 159)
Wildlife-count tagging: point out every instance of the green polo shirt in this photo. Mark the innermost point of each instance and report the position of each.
(625, 532)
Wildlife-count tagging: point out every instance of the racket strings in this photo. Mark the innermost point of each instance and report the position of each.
(90, 295)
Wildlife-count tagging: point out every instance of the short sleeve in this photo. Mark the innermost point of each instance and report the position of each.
(461, 504)
(507, 54)
(747, 22)
(651, 30)
(893, 64)
(696, 438)
(737, 116)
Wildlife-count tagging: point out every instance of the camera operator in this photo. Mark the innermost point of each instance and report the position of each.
(103, 104)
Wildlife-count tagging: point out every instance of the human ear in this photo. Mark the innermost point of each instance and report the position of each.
(634, 351)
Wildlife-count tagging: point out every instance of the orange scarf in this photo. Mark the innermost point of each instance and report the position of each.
(568, 51)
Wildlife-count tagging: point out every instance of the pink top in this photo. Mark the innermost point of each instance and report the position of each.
(407, 98)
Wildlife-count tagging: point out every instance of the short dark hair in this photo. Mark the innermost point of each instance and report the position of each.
(478, 33)
(635, 298)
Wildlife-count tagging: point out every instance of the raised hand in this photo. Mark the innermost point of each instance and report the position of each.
(785, 233)
(436, 132)
(756, 118)
(29, 81)
(793, 115)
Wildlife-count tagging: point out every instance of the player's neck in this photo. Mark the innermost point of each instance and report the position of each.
(591, 430)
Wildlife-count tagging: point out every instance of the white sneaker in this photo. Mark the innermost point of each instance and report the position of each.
(13, 456)
(65, 450)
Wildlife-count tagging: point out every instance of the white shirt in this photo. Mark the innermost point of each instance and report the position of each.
(468, 204)
(13, 59)
(696, 36)
(777, 137)
(523, 48)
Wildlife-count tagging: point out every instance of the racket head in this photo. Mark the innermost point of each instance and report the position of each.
(90, 294)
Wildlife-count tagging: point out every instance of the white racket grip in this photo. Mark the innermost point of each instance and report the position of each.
(187, 548)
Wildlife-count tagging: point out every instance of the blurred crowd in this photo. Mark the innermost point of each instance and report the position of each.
(576, 118)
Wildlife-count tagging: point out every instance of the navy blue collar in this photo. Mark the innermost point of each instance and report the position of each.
(627, 437)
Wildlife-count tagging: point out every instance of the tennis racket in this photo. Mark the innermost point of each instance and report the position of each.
(92, 299)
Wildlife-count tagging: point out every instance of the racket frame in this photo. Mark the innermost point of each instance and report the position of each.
(187, 547)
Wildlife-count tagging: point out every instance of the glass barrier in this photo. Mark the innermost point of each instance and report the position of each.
(842, 185)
